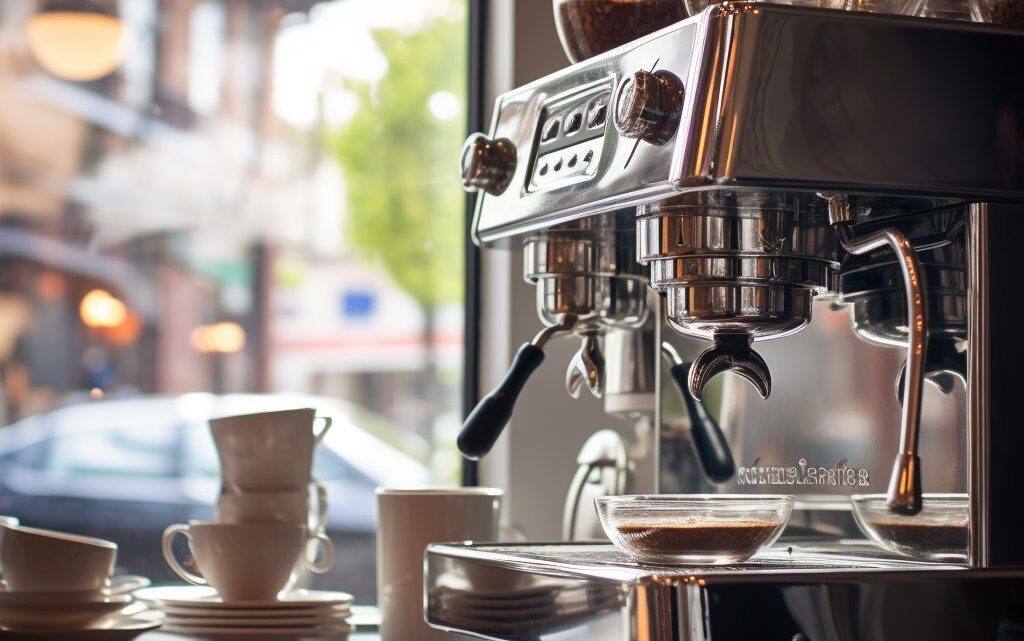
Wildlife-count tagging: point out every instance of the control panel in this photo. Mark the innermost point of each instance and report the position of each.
(570, 139)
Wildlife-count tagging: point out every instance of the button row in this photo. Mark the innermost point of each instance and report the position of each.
(545, 166)
(567, 165)
(596, 114)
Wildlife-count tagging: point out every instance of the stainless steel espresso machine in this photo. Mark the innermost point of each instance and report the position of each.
(850, 184)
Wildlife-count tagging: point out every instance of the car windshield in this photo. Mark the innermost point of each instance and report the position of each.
(215, 208)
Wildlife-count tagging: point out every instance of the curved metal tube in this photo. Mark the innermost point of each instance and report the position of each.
(944, 364)
(904, 494)
(485, 423)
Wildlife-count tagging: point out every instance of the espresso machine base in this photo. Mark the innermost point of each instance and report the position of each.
(795, 591)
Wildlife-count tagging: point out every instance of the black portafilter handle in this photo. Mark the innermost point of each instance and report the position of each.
(488, 419)
(712, 449)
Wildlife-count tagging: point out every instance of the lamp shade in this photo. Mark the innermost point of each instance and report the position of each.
(75, 41)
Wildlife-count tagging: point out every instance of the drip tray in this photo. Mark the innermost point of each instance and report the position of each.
(592, 591)
(603, 560)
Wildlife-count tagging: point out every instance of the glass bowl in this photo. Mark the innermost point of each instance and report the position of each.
(938, 532)
(696, 529)
(589, 27)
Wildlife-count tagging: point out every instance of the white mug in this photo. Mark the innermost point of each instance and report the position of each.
(291, 506)
(268, 451)
(245, 562)
(409, 520)
(35, 560)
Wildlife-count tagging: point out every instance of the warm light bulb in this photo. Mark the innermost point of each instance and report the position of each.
(218, 338)
(100, 309)
(75, 45)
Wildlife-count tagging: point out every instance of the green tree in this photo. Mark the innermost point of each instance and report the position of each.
(400, 164)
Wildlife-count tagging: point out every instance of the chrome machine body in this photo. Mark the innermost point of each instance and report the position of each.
(849, 184)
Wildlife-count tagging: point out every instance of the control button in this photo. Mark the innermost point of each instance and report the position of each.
(597, 113)
(487, 164)
(648, 105)
(550, 130)
(573, 122)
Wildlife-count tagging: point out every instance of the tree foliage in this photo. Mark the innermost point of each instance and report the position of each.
(400, 161)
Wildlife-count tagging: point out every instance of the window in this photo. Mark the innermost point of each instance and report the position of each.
(121, 451)
(237, 207)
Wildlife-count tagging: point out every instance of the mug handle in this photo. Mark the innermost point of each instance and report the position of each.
(319, 436)
(328, 554)
(320, 512)
(169, 535)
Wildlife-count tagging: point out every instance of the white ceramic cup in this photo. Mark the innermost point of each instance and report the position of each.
(35, 560)
(409, 520)
(269, 451)
(291, 506)
(245, 562)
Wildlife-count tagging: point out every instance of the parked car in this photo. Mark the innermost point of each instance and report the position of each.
(125, 469)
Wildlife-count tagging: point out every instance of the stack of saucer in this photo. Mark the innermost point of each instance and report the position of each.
(506, 611)
(200, 611)
(58, 586)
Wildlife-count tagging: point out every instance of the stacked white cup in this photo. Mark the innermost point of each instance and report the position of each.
(263, 533)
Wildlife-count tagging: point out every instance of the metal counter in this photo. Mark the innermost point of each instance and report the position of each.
(793, 592)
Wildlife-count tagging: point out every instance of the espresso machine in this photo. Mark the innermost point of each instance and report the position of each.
(810, 216)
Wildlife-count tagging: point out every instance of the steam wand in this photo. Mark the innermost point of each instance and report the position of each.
(904, 494)
(709, 442)
(488, 419)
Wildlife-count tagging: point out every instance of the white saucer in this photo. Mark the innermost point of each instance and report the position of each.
(265, 636)
(504, 596)
(240, 613)
(297, 631)
(116, 592)
(57, 615)
(119, 628)
(500, 614)
(269, 621)
(197, 596)
(60, 599)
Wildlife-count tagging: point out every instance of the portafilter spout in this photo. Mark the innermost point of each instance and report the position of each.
(587, 366)
(904, 494)
(731, 351)
(488, 419)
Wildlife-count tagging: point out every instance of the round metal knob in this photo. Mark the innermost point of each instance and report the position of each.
(647, 106)
(487, 164)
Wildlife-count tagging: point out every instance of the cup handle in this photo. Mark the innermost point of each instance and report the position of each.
(328, 421)
(169, 535)
(327, 548)
(320, 512)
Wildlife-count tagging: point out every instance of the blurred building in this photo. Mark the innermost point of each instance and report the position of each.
(175, 187)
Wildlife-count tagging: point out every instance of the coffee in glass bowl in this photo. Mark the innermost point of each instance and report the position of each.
(939, 532)
(697, 529)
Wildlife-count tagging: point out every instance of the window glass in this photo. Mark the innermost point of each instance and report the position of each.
(328, 467)
(224, 208)
(120, 451)
(32, 456)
